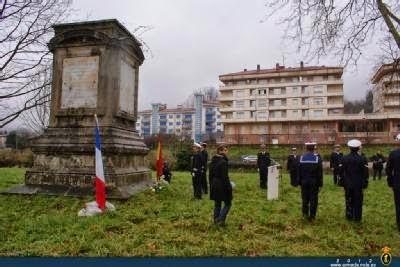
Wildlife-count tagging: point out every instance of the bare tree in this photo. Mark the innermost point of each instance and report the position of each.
(36, 119)
(25, 28)
(209, 93)
(342, 29)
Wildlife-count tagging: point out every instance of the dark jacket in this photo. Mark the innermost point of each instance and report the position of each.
(354, 171)
(377, 161)
(167, 173)
(220, 185)
(310, 170)
(204, 158)
(335, 160)
(263, 161)
(196, 164)
(292, 163)
(393, 169)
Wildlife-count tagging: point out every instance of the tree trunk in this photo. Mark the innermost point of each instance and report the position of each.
(386, 16)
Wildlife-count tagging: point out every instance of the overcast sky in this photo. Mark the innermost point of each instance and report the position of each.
(194, 41)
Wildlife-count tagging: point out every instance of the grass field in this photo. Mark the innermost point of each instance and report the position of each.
(172, 224)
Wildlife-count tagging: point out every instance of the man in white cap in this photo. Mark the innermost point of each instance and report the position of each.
(393, 178)
(354, 175)
(310, 179)
(196, 170)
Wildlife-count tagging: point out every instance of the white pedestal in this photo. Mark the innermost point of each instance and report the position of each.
(273, 182)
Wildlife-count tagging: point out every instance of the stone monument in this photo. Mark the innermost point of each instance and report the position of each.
(95, 71)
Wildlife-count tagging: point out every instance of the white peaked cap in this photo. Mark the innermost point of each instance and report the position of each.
(196, 145)
(398, 137)
(310, 143)
(354, 143)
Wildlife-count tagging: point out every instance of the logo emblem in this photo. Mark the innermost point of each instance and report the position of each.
(386, 257)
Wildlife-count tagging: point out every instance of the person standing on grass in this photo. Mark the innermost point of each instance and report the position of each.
(220, 185)
(263, 162)
(393, 178)
(292, 167)
(204, 157)
(377, 164)
(167, 172)
(336, 158)
(310, 180)
(196, 166)
(354, 175)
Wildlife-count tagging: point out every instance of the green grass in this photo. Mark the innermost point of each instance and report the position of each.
(172, 224)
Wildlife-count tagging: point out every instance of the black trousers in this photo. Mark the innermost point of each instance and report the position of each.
(377, 171)
(293, 178)
(204, 186)
(263, 178)
(196, 182)
(335, 176)
(354, 202)
(396, 193)
(309, 196)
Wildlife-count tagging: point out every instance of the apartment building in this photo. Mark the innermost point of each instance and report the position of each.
(276, 105)
(386, 89)
(200, 123)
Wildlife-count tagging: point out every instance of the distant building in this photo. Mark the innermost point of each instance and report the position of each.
(386, 90)
(293, 105)
(200, 123)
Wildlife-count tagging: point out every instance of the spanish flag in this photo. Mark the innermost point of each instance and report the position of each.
(159, 162)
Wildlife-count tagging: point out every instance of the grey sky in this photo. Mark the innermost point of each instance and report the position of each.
(195, 41)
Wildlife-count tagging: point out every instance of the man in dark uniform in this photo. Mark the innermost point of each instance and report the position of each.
(167, 172)
(336, 158)
(263, 162)
(354, 175)
(377, 164)
(196, 166)
(310, 180)
(204, 158)
(292, 167)
(393, 178)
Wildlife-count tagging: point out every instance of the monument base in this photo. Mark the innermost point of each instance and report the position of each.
(64, 163)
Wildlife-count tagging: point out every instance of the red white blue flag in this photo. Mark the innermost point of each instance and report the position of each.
(100, 179)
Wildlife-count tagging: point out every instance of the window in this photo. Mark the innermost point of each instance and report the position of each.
(178, 123)
(171, 116)
(188, 116)
(163, 123)
(276, 114)
(295, 90)
(239, 115)
(239, 93)
(295, 113)
(318, 113)
(252, 103)
(318, 89)
(262, 115)
(305, 101)
(276, 91)
(305, 113)
(295, 79)
(170, 123)
(163, 117)
(178, 116)
(262, 103)
(240, 103)
(318, 101)
(276, 102)
(295, 102)
(262, 91)
(304, 89)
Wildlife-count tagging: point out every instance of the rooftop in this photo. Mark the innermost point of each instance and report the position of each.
(282, 69)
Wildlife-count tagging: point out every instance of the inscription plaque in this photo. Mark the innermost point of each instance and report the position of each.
(127, 90)
(80, 82)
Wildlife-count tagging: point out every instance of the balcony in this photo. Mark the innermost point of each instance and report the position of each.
(392, 104)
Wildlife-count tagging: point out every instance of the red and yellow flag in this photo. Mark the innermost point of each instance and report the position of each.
(159, 162)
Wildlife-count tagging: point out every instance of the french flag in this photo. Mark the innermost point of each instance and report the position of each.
(100, 180)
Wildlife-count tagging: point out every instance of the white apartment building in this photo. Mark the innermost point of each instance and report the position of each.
(386, 90)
